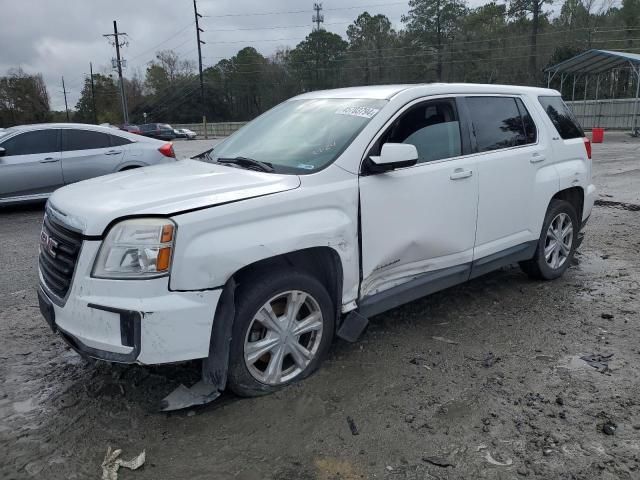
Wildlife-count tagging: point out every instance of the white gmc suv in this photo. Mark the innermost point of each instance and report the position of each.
(329, 208)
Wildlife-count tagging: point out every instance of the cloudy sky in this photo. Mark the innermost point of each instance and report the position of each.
(61, 37)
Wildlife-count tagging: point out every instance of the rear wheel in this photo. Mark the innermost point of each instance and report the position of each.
(282, 330)
(557, 243)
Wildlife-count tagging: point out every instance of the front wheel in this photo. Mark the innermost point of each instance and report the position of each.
(557, 243)
(283, 328)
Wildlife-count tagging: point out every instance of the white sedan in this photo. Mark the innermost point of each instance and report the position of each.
(35, 160)
(185, 133)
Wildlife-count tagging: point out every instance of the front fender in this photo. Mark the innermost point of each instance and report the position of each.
(214, 243)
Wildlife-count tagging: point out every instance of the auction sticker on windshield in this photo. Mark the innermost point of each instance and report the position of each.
(366, 112)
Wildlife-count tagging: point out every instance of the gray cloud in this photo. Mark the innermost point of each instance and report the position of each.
(59, 37)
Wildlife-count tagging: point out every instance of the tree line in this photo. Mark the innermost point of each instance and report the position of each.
(440, 40)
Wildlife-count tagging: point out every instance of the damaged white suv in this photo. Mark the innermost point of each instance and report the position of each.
(327, 209)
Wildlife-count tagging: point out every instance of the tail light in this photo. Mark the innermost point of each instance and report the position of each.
(587, 146)
(167, 150)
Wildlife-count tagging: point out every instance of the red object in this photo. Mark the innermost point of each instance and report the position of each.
(167, 150)
(597, 135)
(587, 146)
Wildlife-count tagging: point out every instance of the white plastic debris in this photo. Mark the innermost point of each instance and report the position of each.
(489, 458)
(112, 463)
(493, 461)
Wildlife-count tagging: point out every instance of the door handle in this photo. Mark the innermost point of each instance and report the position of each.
(50, 160)
(537, 158)
(113, 152)
(459, 174)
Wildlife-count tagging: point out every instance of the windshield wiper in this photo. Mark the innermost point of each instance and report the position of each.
(248, 163)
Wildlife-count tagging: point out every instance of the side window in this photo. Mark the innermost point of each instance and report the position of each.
(562, 118)
(433, 127)
(83, 140)
(30, 143)
(117, 141)
(496, 122)
(530, 131)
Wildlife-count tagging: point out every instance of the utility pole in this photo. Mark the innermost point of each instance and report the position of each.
(66, 107)
(118, 64)
(317, 18)
(93, 95)
(200, 43)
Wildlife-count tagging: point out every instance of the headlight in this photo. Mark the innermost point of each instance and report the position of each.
(136, 248)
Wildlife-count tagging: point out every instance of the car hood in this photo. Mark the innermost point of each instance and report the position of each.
(90, 206)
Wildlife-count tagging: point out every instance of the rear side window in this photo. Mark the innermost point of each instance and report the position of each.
(497, 123)
(561, 116)
(117, 141)
(30, 143)
(83, 140)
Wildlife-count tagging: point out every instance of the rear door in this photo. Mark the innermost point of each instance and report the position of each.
(30, 167)
(87, 154)
(511, 151)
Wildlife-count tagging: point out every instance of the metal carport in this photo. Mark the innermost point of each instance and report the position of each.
(597, 62)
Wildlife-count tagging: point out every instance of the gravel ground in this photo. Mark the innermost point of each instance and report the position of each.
(483, 380)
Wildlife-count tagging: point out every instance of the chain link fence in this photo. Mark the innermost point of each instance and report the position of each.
(223, 129)
(615, 114)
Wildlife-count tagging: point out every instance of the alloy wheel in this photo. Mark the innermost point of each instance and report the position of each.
(559, 240)
(283, 337)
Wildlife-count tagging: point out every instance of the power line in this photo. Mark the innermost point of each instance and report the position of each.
(287, 12)
(163, 42)
(275, 27)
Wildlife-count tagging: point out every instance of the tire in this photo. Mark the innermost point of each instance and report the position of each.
(540, 267)
(255, 373)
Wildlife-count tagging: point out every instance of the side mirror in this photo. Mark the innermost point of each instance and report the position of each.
(2, 152)
(392, 156)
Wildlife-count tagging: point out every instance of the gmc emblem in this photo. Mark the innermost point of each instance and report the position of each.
(48, 244)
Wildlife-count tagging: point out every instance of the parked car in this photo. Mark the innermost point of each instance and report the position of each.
(185, 133)
(37, 159)
(131, 129)
(160, 131)
(331, 207)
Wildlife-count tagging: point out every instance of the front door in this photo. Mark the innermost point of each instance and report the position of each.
(420, 219)
(30, 165)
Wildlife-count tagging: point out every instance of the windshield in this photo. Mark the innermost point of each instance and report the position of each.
(300, 136)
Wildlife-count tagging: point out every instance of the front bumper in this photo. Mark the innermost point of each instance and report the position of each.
(130, 321)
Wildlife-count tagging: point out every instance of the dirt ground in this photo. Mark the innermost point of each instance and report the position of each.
(484, 380)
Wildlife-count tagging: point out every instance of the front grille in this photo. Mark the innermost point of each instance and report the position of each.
(59, 249)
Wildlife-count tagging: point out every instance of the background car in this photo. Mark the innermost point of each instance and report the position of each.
(161, 131)
(35, 160)
(185, 133)
(131, 129)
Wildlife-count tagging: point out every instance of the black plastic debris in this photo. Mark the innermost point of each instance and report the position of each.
(352, 426)
(438, 461)
(609, 427)
(489, 360)
(599, 361)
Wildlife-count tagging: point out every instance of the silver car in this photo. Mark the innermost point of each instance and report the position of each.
(35, 160)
